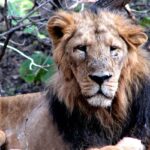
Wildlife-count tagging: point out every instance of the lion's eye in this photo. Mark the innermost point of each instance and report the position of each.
(113, 48)
(81, 48)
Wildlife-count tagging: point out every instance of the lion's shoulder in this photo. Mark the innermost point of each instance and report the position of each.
(18, 106)
(28, 117)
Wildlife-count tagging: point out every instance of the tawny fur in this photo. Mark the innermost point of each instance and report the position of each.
(22, 128)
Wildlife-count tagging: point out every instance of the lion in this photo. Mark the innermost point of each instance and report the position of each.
(99, 97)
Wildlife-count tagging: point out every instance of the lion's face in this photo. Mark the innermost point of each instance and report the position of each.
(93, 51)
(96, 55)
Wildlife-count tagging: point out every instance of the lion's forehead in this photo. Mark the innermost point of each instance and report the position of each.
(101, 22)
(92, 28)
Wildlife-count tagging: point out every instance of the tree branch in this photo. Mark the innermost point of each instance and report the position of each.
(14, 29)
(27, 57)
(18, 26)
(5, 15)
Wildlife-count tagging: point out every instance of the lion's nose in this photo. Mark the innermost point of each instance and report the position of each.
(99, 79)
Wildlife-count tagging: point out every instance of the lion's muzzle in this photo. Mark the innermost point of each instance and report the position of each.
(100, 78)
(104, 95)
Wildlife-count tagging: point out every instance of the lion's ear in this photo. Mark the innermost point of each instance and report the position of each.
(60, 25)
(133, 35)
(136, 39)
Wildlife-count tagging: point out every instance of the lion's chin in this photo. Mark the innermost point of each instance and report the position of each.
(99, 101)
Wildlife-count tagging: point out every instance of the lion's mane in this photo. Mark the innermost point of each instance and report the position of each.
(136, 68)
(134, 76)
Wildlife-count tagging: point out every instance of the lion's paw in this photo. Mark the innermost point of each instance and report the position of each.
(128, 143)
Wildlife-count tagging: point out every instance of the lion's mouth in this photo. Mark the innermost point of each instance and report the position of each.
(98, 93)
(100, 99)
(102, 95)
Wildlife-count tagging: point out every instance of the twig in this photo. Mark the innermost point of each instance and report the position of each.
(7, 26)
(39, 21)
(42, 65)
(54, 4)
(5, 15)
(46, 9)
(14, 29)
(75, 5)
(11, 32)
(137, 5)
(140, 11)
(15, 43)
(27, 57)
(5, 45)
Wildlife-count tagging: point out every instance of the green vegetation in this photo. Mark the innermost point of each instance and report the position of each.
(145, 22)
(18, 9)
(36, 74)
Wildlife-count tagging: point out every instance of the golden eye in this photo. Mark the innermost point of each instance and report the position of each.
(81, 48)
(113, 48)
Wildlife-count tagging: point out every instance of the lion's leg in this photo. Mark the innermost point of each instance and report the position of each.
(126, 143)
(2, 138)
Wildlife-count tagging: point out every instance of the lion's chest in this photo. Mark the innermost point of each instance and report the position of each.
(78, 130)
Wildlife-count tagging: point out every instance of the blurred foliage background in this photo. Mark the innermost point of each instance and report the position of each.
(25, 49)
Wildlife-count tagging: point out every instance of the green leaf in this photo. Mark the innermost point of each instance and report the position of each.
(37, 74)
(78, 8)
(40, 35)
(145, 22)
(25, 73)
(34, 31)
(14, 22)
(31, 30)
(51, 70)
(19, 8)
